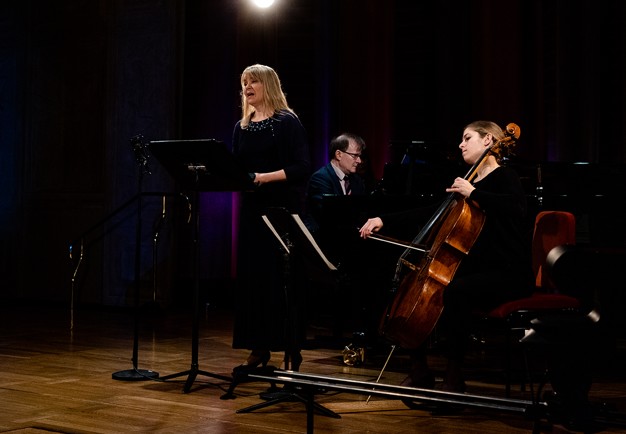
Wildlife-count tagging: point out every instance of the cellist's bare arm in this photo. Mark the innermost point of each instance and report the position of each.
(370, 226)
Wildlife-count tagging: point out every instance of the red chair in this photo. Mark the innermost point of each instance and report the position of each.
(552, 229)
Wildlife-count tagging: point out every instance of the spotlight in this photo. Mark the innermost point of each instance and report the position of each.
(263, 3)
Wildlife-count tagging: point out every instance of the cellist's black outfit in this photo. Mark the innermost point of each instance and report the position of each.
(498, 266)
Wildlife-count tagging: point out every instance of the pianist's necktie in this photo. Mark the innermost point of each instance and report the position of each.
(346, 184)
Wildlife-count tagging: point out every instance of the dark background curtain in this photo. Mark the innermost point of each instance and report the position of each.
(79, 79)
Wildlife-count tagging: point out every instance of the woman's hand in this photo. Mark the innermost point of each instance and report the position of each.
(370, 226)
(461, 186)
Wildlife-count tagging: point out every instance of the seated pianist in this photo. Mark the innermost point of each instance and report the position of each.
(334, 221)
(338, 178)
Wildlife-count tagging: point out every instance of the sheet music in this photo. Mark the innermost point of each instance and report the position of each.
(271, 226)
(306, 232)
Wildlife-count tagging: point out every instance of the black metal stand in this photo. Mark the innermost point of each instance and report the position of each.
(153, 306)
(285, 228)
(200, 165)
(194, 370)
(137, 374)
(305, 395)
(291, 306)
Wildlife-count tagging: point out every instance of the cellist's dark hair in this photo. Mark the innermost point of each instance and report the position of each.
(488, 127)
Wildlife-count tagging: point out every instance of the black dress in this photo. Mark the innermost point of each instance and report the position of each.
(280, 142)
(498, 267)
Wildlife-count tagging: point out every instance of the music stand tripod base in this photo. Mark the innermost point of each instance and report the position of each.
(135, 375)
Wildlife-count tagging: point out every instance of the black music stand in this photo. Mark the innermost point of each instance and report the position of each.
(199, 165)
(295, 241)
(298, 247)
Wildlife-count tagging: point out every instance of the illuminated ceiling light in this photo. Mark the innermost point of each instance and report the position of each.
(263, 3)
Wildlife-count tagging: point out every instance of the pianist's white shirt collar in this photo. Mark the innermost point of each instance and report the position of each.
(338, 171)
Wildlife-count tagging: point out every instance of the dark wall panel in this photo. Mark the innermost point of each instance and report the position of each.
(80, 79)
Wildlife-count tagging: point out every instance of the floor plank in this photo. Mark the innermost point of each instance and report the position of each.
(55, 379)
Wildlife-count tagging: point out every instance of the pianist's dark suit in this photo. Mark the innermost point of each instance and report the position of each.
(326, 182)
(332, 227)
(334, 218)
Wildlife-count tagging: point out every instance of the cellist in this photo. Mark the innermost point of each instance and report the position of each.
(497, 268)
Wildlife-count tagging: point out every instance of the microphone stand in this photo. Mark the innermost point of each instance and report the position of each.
(136, 374)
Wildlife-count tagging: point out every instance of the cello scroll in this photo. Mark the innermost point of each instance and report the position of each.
(504, 147)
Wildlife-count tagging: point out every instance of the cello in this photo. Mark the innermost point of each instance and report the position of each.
(420, 279)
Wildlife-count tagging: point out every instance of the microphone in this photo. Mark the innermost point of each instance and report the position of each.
(141, 154)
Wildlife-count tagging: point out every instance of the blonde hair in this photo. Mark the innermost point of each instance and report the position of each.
(274, 98)
(487, 127)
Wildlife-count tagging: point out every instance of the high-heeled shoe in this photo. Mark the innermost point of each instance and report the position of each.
(256, 358)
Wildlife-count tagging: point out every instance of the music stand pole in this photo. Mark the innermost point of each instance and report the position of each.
(137, 374)
(194, 370)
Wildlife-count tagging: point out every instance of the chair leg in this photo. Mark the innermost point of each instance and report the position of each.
(507, 363)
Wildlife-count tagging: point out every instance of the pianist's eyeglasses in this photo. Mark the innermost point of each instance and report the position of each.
(352, 154)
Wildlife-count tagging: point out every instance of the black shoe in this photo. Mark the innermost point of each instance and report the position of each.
(256, 358)
(424, 381)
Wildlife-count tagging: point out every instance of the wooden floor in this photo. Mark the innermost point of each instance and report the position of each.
(60, 380)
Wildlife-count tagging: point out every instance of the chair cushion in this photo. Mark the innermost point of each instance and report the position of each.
(536, 302)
